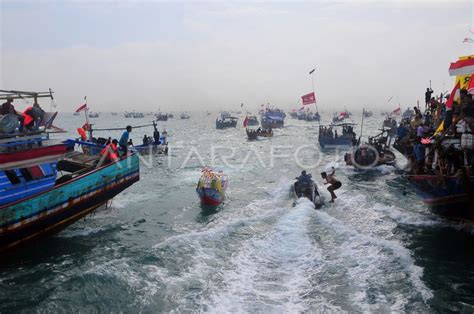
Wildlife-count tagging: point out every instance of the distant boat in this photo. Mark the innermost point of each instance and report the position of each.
(230, 122)
(93, 115)
(184, 116)
(367, 113)
(329, 137)
(138, 115)
(113, 113)
(161, 117)
(211, 187)
(75, 113)
(272, 118)
(170, 116)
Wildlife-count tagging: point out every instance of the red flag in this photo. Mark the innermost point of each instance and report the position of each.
(470, 88)
(308, 99)
(82, 107)
(397, 111)
(454, 94)
(246, 121)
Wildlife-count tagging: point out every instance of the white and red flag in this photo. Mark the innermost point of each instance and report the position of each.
(308, 99)
(456, 93)
(462, 67)
(397, 111)
(81, 108)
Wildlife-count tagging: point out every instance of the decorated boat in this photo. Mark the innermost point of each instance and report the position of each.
(46, 185)
(226, 123)
(211, 187)
(329, 137)
(254, 134)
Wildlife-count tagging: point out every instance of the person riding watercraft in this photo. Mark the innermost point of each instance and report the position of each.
(305, 187)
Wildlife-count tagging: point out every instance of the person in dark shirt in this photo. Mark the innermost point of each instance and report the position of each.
(467, 111)
(156, 136)
(8, 108)
(428, 93)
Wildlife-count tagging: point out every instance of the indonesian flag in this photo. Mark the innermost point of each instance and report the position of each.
(470, 88)
(397, 111)
(246, 121)
(308, 99)
(456, 93)
(81, 108)
(462, 67)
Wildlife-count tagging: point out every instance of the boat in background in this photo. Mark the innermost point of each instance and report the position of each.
(184, 116)
(272, 118)
(93, 114)
(230, 122)
(161, 117)
(47, 185)
(252, 121)
(329, 138)
(367, 113)
(211, 187)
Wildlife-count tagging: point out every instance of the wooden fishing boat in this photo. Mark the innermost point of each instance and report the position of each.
(161, 117)
(184, 116)
(211, 187)
(329, 137)
(45, 185)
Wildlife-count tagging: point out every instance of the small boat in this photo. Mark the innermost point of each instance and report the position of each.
(93, 115)
(170, 116)
(329, 137)
(127, 115)
(254, 134)
(369, 156)
(75, 113)
(226, 123)
(367, 113)
(273, 118)
(211, 187)
(305, 187)
(113, 113)
(153, 145)
(161, 117)
(184, 116)
(138, 115)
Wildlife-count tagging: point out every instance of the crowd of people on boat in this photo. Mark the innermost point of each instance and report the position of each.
(439, 140)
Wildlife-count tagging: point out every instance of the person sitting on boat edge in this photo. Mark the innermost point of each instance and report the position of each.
(109, 153)
(8, 108)
(334, 184)
(123, 142)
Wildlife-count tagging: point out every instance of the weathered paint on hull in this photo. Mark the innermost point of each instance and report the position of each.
(53, 210)
(210, 196)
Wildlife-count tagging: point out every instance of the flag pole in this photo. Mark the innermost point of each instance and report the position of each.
(312, 83)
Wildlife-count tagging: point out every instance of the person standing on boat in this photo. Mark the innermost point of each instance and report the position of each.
(428, 93)
(123, 142)
(156, 136)
(334, 184)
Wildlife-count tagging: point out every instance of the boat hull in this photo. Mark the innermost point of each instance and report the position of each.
(210, 196)
(446, 197)
(55, 209)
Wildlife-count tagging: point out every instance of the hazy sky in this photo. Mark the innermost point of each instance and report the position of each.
(191, 55)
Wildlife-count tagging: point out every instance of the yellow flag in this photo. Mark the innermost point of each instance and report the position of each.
(439, 129)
